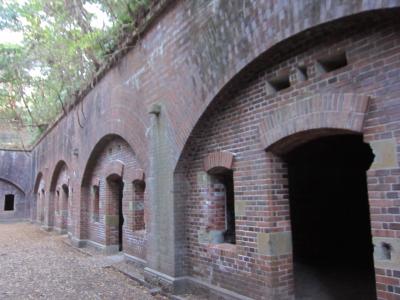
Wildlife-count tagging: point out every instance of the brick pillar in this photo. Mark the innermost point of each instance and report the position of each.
(34, 207)
(38, 206)
(57, 221)
(42, 208)
(79, 225)
(70, 211)
(48, 210)
(63, 206)
(49, 219)
(165, 237)
(384, 200)
(274, 242)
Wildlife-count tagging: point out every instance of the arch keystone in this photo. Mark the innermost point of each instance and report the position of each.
(218, 159)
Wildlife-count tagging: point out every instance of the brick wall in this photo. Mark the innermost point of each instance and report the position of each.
(260, 177)
(103, 228)
(20, 208)
(216, 57)
(60, 203)
(15, 178)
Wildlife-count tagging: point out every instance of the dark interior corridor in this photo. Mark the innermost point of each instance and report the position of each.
(332, 245)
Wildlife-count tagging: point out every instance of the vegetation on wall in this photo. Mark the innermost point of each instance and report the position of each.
(63, 44)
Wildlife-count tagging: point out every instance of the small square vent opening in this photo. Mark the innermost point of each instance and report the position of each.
(332, 62)
(278, 83)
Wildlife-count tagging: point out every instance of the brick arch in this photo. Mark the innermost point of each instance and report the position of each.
(39, 178)
(314, 116)
(218, 159)
(305, 24)
(99, 214)
(38, 206)
(56, 172)
(59, 208)
(114, 169)
(13, 184)
(115, 166)
(120, 123)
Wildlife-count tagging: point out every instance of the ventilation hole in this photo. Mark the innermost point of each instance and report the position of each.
(278, 83)
(302, 74)
(332, 62)
(386, 251)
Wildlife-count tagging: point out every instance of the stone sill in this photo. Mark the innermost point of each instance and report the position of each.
(223, 249)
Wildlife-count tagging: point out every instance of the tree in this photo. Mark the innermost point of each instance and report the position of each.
(60, 52)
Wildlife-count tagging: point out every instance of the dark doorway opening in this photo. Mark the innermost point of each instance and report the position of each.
(230, 233)
(332, 244)
(64, 206)
(120, 214)
(9, 202)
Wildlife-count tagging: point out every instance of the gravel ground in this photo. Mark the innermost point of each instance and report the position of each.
(38, 265)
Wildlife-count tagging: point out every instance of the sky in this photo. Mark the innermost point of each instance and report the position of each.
(99, 21)
(10, 37)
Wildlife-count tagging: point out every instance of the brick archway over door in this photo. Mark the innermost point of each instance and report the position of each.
(318, 115)
(289, 126)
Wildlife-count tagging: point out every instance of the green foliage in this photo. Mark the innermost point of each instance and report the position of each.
(60, 51)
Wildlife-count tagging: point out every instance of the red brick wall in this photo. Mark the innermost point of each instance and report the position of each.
(40, 193)
(260, 178)
(113, 149)
(195, 51)
(59, 201)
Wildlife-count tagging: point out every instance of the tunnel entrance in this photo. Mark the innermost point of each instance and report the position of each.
(332, 244)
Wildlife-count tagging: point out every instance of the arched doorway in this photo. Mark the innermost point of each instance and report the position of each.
(62, 208)
(59, 198)
(330, 218)
(37, 197)
(113, 199)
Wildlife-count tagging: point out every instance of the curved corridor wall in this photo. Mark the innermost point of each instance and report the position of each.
(15, 179)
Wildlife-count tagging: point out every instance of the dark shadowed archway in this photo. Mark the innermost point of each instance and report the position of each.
(38, 198)
(330, 221)
(59, 201)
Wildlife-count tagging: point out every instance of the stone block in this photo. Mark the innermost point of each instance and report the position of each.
(112, 220)
(386, 252)
(275, 243)
(240, 208)
(385, 154)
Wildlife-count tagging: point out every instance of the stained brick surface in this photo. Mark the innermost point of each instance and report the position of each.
(206, 65)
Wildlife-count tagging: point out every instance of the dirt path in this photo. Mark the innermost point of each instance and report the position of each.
(38, 265)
